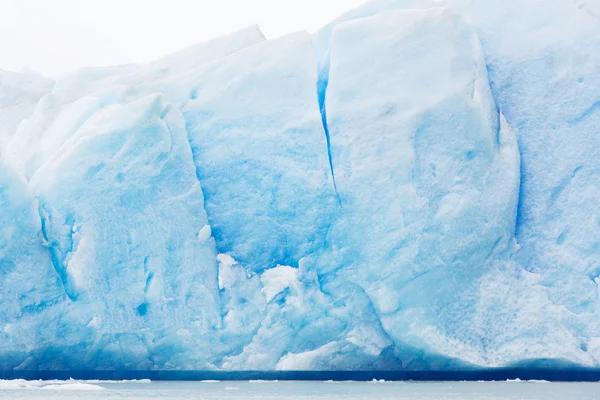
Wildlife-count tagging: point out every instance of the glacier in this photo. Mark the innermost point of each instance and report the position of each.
(413, 187)
(19, 94)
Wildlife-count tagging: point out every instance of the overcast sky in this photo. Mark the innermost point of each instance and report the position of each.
(58, 36)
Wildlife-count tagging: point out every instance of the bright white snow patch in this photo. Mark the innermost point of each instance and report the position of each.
(95, 322)
(204, 233)
(304, 361)
(226, 272)
(276, 280)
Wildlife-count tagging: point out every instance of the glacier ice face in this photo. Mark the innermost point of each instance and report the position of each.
(547, 87)
(353, 200)
(429, 184)
(19, 94)
(256, 140)
(29, 285)
(322, 38)
(557, 117)
(76, 97)
(312, 324)
(126, 179)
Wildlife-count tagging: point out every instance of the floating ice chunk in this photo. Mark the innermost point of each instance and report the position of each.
(12, 385)
(78, 386)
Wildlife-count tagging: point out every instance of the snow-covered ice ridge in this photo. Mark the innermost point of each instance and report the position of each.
(416, 186)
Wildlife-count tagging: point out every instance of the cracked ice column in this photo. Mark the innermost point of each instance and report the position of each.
(549, 89)
(30, 288)
(122, 210)
(322, 38)
(543, 65)
(427, 172)
(261, 152)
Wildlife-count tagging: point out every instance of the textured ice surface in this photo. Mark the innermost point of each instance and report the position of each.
(137, 194)
(19, 94)
(28, 283)
(256, 140)
(547, 87)
(76, 97)
(422, 194)
(429, 186)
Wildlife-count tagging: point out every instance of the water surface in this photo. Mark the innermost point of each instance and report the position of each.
(241, 390)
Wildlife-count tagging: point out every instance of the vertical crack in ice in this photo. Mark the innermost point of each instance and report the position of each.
(55, 253)
(322, 83)
(326, 128)
(194, 156)
(502, 117)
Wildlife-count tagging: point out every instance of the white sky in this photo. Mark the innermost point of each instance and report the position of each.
(58, 36)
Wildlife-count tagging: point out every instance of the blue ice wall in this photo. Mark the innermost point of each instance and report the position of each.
(546, 87)
(412, 188)
(31, 289)
(261, 153)
(154, 279)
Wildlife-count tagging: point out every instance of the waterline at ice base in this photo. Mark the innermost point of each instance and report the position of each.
(414, 187)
